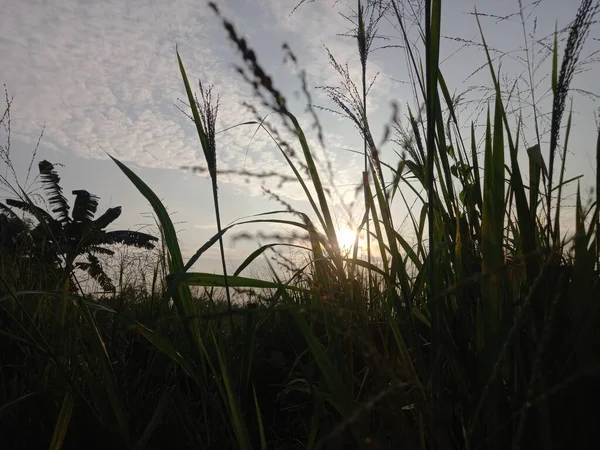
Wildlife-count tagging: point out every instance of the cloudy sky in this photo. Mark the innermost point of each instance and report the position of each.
(102, 75)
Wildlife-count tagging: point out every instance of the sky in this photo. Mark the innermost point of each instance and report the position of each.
(102, 76)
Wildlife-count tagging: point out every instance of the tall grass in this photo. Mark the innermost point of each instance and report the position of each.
(483, 333)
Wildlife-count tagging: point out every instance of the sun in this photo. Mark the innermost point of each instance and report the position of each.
(346, 238)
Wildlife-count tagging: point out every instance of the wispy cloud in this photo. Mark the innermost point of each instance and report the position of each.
(103, 75)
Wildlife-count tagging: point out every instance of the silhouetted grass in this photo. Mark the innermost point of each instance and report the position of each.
(481, 333)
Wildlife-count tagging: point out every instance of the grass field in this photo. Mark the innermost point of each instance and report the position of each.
(482, 332)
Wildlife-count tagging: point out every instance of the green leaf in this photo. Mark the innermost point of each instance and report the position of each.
(13, 405)
(80, 300)
(105, 368)
(62, 422)
(259, 419)
(235, 413)
(342, 400)
(157, 416)
(182, 297)
(259, 251)
(163, 344)
(216, 280)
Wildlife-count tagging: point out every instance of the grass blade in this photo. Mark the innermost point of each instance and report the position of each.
(157, 416)
(62, 422)
(259, 419)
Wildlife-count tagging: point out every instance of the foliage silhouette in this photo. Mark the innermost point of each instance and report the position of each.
(60, 239)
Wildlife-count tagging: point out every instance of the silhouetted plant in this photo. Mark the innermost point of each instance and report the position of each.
(60, 239)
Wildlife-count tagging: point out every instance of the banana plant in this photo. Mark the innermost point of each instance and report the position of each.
(66, 241)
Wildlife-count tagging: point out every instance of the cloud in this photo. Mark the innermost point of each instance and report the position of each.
(103, 76)
(95, 72)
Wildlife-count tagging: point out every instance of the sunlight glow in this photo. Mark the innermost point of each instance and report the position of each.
(346, 237)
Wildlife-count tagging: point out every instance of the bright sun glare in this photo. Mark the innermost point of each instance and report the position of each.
(346, 237)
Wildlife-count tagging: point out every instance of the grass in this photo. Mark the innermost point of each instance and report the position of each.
(482, 334)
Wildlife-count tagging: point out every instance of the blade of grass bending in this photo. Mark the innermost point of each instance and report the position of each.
(409, 251)
(450, 104)
(107, 374)
(39, 341)
(259, 420)
(316, 240)
(397, 172)
(311, 443)
(62, 422)
(182, 297)
(186, 420)
(406, 360)
(366, 265)
(300, 179)
(237, 420)
(13, 405)
(259, 251)
(342, 401)
(184, 301)
(90, 304)
(163, 344)
(568, 181)
(211, 279)
(157, 416)
(214, 239)
(330, 229)
(413, 218)
(420, 158)
(101, 409)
